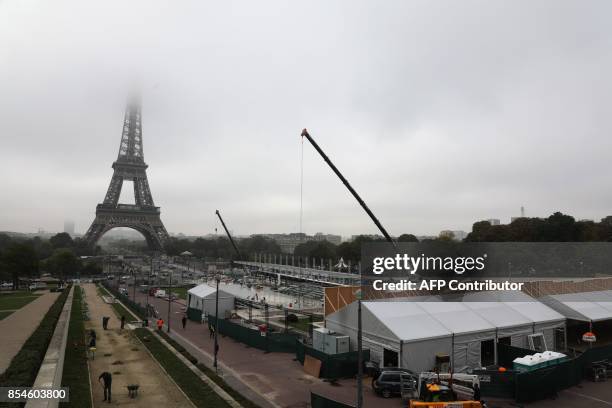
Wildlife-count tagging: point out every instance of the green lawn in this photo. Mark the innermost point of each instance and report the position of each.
(198, 392)
(76, 374)
(15, 301)
(4, 314)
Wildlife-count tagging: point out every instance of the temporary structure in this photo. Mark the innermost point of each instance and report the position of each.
(201, 301)
(583, 306)
(411, 332)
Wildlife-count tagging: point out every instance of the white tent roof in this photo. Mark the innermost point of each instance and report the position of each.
(585, 306)
(403, 317)
(415, 320)
(518, 308)
(203, 290)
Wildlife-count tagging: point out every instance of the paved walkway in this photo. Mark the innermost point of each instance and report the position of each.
(17, 327)
(276, 376)
(128, 361)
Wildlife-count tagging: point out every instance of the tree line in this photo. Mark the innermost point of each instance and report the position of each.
(558, 227)
(28, 258)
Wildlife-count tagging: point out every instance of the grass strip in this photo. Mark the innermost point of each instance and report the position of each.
(76, 373)
(198, 392)
(4, 314)
(8, 302)
(242, 400)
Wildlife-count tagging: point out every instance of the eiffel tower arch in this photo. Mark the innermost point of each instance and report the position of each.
(143, 216)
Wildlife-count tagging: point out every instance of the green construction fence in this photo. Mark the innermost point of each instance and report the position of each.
(272, 342)
(544, 382)
(333, 366)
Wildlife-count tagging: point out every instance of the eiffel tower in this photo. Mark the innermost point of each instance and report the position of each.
(143, 216)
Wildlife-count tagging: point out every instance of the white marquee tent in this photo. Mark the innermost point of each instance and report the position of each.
(417, 330)
(583, 306)
(203, 299)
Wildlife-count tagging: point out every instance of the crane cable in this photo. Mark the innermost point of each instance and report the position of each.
(302, 186)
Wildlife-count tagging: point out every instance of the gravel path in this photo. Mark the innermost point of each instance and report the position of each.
(121, 354)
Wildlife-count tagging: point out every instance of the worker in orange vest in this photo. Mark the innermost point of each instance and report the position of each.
(160, 323)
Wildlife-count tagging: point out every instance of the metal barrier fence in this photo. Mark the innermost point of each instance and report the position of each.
(333, 366)
(319, 401)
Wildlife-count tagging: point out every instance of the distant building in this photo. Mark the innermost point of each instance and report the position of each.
(494, 221)
(288, 242)
(334, 239)
(69, 227)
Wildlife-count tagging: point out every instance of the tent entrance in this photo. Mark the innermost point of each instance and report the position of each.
(487, 353)
(390, 358)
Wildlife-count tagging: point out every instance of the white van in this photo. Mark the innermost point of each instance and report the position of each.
(37, 285)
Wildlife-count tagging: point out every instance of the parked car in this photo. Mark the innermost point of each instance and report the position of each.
(388, 383)
(123, 291)
(37, 285)
(160, 293)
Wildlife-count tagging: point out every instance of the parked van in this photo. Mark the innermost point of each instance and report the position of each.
(37, 285)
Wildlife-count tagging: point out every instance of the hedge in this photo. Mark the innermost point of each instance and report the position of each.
(202, 395)
(76, 372)
(242, 400)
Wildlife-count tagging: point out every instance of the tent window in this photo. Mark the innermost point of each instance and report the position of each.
(537, 342)
(505, 340)
(390, 358)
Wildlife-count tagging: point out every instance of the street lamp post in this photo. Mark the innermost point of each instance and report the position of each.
(133, 286)
(149, 288)
(359, 353)
(169, 301)
(216, 322)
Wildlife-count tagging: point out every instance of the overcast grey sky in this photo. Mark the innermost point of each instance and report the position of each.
(439, 113)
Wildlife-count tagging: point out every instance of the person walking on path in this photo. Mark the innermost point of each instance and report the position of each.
(107, 378)
(160, 324)
(92, 339)
(184, 321)
(212, 332)
(122, 322)
(105, 320)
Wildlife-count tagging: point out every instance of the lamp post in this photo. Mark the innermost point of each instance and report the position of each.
(359, 350)
(216, 322)
(133, 286)
(149, 287)
(169, 301)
